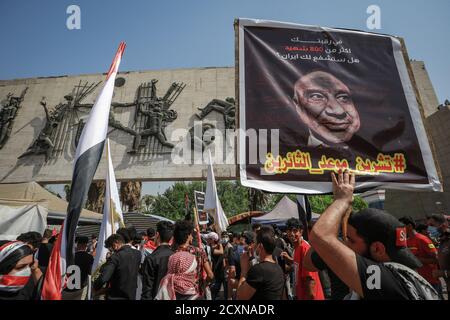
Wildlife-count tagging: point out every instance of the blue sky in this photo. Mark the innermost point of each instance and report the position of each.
(195, 33)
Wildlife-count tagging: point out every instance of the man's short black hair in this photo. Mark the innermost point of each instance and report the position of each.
(165, 230)
(82, 240)
(256, 226)
(182, 231)
(248, 236)
(132, 231)
(374, 225)
(150, 232)
(408, 220)
(93, 236)
(125, 234)
(32, 238)
(235, 235)
(421, 227)
(266, 237)
(114, 238)
(439, 218)
(294, 223)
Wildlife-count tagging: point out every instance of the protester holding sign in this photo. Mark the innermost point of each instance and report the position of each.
(375, 263)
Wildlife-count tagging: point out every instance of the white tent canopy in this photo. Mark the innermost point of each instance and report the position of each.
(283, 211)
(17, 217)
(13, 194)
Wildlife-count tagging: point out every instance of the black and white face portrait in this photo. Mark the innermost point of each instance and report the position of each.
(325, 105)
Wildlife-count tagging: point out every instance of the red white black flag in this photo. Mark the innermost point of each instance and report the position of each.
(87, 158)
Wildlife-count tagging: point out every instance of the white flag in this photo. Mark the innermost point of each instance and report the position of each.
(112, 213)
(212, 203)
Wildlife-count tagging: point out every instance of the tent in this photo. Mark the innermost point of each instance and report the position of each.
(283, 211)
(140, 221)
(19, 194)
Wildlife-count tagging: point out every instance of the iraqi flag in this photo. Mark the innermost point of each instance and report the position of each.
(87, 158)
(112, 214)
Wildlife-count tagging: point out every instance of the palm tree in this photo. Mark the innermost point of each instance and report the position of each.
(130, 194)
(96, 196)
(257, 199)
(147, 202)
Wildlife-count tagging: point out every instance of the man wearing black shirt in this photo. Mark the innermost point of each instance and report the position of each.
(384, 267)
(155, 264)
(45, 249)
(313, 262)
(265, 280)
(120, 270)
(84, 261)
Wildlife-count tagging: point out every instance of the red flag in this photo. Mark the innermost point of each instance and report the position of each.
(53, 281)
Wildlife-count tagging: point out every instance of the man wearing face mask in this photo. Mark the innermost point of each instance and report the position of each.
(425, 251)
(227, 248)
(324, 104)
(234, 264)
(437, 225)
(120, 270)
(440, 227)
(217, 260)
(20, 276)
(265, 280)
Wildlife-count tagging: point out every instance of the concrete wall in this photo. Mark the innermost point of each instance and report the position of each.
(437, 124)
(202, 85)
(425, 87)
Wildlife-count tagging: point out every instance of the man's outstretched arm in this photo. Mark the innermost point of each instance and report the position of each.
(324, 235)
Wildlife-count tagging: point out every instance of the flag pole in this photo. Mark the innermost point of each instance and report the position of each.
(110, 198)
(196, 220)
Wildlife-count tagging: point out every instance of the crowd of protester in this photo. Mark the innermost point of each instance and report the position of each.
(377, 256)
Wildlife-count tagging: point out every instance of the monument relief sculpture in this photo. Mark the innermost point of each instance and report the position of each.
(152, 116)
(227, 108)
(9, 107)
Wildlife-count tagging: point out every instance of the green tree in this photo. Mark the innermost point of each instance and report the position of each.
(234, 198)
(171, 204)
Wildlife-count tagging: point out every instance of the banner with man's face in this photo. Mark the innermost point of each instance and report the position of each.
(314, 100)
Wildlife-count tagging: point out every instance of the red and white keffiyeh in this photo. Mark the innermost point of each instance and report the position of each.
(180, 278)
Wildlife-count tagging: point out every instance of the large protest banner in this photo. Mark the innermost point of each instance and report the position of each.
(314, 100)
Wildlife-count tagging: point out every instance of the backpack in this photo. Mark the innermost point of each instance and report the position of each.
(416, 286)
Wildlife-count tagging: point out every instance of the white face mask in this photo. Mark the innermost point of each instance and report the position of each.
(25, 272)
